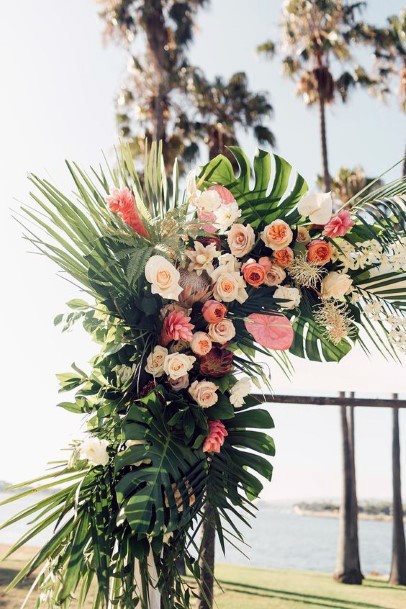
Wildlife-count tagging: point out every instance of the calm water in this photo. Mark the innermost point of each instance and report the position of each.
(279, 539)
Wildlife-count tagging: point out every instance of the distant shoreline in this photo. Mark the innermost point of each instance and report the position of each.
(336, 513)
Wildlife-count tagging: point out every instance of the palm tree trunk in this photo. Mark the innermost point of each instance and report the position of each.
(398, 568)
(323, 141)
(348, 568)
(206, 562)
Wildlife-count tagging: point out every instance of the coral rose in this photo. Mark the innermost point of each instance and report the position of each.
(201, 343)
(176, 327)
(284, 257)
(277, 235)
(214, 311)
(121, 202)
(241, 239)
(163, 277)
(222, 331)
(254, 273)
(215, 439)
(339, 225)
(204, 393)
(319, 252)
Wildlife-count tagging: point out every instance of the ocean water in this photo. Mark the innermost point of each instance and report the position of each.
(278, 539)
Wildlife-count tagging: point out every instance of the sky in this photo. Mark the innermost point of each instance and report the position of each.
(58, 85)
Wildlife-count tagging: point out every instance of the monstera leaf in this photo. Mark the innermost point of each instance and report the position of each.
(270, 191)
(311, 343)
(162, 480)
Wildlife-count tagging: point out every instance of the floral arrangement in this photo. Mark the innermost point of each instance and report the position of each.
(183, 294)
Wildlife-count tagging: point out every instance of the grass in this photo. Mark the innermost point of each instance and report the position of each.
(250, 588)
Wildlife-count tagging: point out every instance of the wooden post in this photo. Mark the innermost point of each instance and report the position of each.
(398, 567)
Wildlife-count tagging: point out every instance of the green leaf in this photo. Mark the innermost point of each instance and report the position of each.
(275, 192)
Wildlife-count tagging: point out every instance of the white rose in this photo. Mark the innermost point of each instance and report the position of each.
(204, 393)
(229, 286)
(222, 331)
(291, 296)
(227, 214)
(163, 277)
(156, 360)
(178, 364)
(95, 451)
(318, 207)
(335, 285)
(241, 239)
(239, 391)
(208, 201)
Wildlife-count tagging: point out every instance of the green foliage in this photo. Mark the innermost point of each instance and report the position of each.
(268, 192)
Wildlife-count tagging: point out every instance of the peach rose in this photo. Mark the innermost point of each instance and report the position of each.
(254, 273)
(201, 343)
(214, 311)
(241, 239)
(303, 235)
(204, 393)
(274, 275)
(277, 235)
(156, 360)
(284, 257)
(178, 364)
(319, 252)
(229, 286)
(222, 331)
(163, 277)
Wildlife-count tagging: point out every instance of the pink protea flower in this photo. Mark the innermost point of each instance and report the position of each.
(215, 439)
(121, 202)
(176, 327)
(339, 225)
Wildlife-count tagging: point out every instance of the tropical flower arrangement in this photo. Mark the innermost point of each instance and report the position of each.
(183, 293)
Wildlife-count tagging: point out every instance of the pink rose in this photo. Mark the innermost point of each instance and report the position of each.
(176, 327)
(121, 202)
(204, 393)
(179, 383)
(339, 225)
(214, 311)
(215, 439)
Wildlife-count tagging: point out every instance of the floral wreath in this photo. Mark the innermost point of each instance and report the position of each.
(183, 293)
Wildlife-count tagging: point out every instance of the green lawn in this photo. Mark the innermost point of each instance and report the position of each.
(249, 588)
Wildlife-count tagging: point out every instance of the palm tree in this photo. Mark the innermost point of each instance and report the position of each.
(347, 182)
(317, 45)
(156, 34)
(164, 97)
(389, 45)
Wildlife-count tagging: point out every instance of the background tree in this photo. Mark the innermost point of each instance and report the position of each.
(389, 45)
(318, 37)
(166, 98)
(347, 182)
